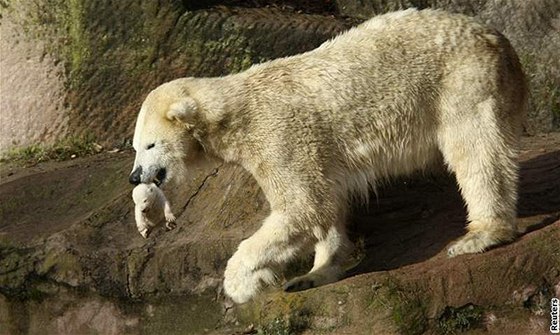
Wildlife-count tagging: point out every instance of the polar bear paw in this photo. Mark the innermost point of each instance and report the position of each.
(472, 243)
(242, 282)
(314, 279)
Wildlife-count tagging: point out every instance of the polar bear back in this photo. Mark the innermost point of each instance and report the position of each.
(379, 92)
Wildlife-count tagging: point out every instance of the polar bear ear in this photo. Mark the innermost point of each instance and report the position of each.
(183, 111)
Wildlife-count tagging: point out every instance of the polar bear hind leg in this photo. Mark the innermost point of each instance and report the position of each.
(479, 147)
(328, 266)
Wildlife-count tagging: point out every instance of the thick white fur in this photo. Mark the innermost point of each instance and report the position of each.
(148, 197)
(391, 96)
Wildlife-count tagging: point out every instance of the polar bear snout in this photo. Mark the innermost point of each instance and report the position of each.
(157, 177)
(134, 177)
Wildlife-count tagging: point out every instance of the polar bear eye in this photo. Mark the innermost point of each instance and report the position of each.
(149, 146)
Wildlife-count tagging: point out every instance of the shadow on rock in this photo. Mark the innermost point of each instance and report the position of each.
(540, 190)
(413, 220)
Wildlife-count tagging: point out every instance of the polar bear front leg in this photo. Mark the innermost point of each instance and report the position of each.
(276, 242)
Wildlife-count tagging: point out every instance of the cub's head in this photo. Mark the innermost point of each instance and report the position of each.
(144, 196)
(163, 137)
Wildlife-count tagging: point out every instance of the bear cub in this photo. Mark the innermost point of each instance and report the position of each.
(148, 198)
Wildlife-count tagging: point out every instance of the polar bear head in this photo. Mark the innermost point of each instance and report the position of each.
(163, 138)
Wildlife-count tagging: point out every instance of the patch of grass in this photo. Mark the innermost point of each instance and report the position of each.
(279, 314)
(458, 320)
(408, 310)
(16, 266)
(278, 326)
(61, 150)
(294, 323)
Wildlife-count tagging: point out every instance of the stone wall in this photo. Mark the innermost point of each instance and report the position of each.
(76, 68)
(32, 87)
(83, 67)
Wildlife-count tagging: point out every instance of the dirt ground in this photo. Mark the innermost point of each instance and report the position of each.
(70, 225)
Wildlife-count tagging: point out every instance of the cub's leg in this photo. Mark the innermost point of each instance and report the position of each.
(142, 222)
(169, 216)
(481, 150)
(328, 266)
(274, 244)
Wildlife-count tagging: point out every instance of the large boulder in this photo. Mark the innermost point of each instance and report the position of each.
(70, 254)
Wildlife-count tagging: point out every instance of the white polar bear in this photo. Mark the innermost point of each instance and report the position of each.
(398, 93)
(148, 197)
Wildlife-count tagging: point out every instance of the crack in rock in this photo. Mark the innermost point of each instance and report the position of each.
(190, 199)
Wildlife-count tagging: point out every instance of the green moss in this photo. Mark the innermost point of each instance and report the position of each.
(456, 320)
(60, 262)
(63, 149)
(16, 265)
(278, 326)
(235, 45)
(136, 263)
(4, 5)
(78, 49)
(10, 262)
(6, 242)
(61, 26)
(293, 323)
(408, 309)
(278, 313)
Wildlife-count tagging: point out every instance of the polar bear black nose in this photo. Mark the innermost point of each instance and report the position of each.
(134, 177)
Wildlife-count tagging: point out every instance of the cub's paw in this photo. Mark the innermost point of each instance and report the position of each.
(170, 218)
(170, 225)
(144, 232)
(242, 282)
